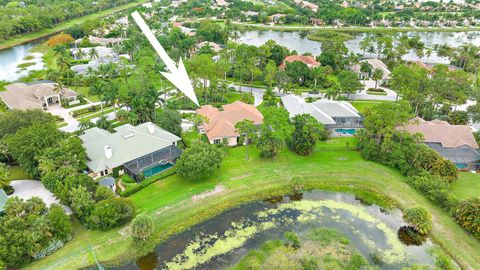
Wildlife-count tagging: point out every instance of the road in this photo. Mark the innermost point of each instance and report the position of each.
(362, 95)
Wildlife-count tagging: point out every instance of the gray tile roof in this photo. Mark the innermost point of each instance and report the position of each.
(323, 110)
(108, 182)
(126, 144)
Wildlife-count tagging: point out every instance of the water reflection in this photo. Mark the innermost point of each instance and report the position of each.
(11, 58)
(298, 42)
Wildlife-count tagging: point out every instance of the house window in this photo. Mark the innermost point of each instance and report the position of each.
(217, 141)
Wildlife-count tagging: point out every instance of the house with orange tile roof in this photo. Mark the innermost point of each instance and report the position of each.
(220, 123)
(307, 59)
(453, 142)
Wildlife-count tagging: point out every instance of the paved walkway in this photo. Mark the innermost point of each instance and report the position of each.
(26, 189)
(72, 123)
(257, 92)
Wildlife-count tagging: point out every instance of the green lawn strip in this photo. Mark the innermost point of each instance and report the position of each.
(62, 124)
(169, 202)
(467, 186)
(90, 116)
(65, 25)
(17, 173)
(257, 84)
(376, 93)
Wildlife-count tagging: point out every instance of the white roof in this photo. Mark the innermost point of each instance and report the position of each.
(323, 110)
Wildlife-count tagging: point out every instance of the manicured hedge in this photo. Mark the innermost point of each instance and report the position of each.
(82, 111)
(135, 188)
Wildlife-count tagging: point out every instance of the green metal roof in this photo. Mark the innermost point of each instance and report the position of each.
(126, 144)
(3, 200)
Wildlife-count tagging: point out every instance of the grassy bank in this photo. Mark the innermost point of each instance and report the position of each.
(331, 167)
(251, 26)
(467, 186)
(65, 25)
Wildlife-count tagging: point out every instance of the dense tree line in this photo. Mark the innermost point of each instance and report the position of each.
(31, 139)
(384, 141)
(18, 17)
(31, 231)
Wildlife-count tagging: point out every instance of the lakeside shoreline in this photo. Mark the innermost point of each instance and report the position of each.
(355, 29)
(45, 33)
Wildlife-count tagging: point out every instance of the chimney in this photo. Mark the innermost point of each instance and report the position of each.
(108, 151)
(151, 128)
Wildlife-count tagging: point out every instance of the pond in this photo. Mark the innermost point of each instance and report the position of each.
(19, 55)
(221, 242)
(297, 41)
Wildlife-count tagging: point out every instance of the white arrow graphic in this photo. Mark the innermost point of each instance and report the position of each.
(177, 75)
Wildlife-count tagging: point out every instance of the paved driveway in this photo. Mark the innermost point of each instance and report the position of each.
(27, 189)
(72, 123)
(362, 95)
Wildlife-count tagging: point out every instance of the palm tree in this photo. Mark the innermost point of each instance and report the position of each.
(80, 54)
(59, 87)
(428, 53)
(98, 88)
(85, 124)
(377, 75)
(352, 59)
(93, 54)
(366, 69)
(332, 92)
(365, 44)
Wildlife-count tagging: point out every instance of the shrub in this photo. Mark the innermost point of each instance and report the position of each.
(307, 131)
(59, 40)
(199, 160)
(142, 228)
(110, 213)
(137, 187)
(419, 218)
(115, 172)
(468, 215)
(127, 179)
(435, 189)
(442, 262)
(83, 111)
(292, 239)
(103, 193)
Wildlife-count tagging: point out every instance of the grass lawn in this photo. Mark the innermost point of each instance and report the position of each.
(65, 25)
(362, 106)
(17, 173)
(467, 186)
(169, 201)
(83, 90)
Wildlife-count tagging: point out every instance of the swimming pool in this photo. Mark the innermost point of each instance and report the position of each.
(346, 131)
(156, 169)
